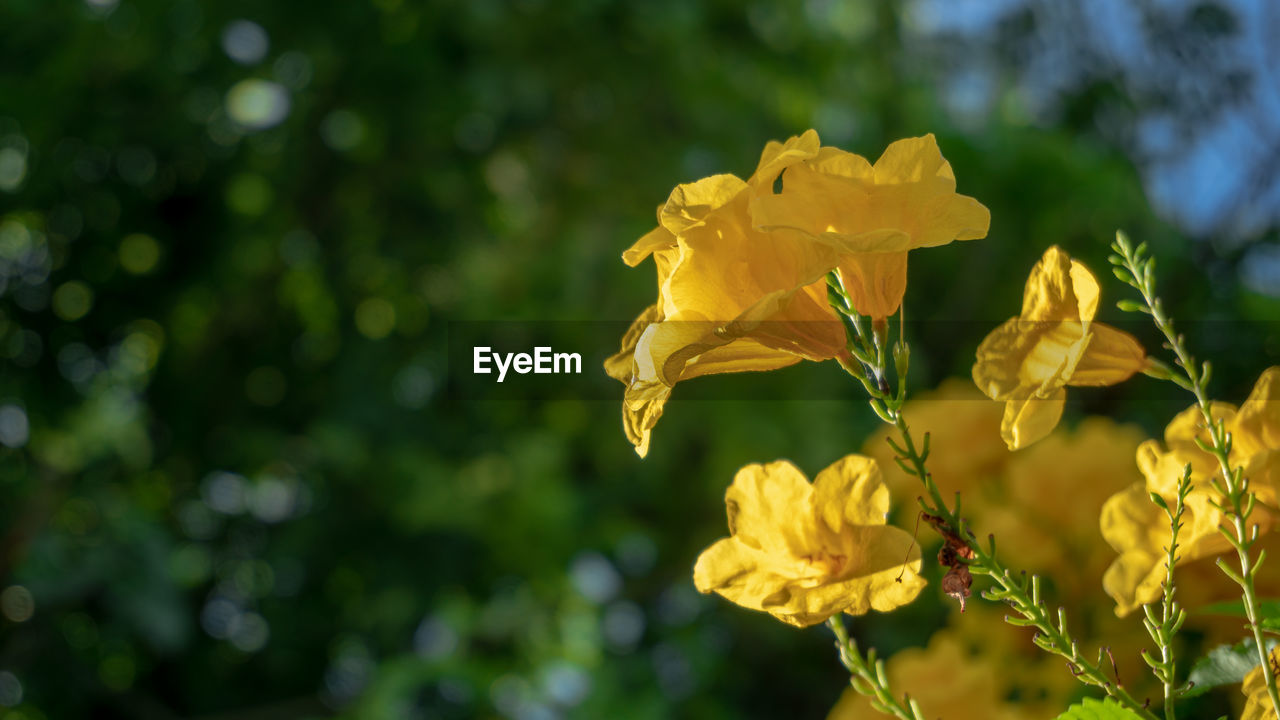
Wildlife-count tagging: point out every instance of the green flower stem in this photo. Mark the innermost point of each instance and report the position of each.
(1022, 593)
(1171, 616)
(867, 676)
(1136, 269)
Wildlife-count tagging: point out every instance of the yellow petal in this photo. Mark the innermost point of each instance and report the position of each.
(1085, 287)
(1258, 705)
(1257, 426)
(851, 491)
(739, 573)
(1048, 295)
(642, 405)
(912, 160)
(997, 370)
(1183, 431)
(1020, 358)
(906, 201)
(1111, 356)
(691, 203)
(886, 582)
(804, 325)
(1028, 419)
(620, 365)
(762, 503)
(656, 239)
(953, 217)
(664, 348)
(1131, 524)
(779, 156)
(875, 282)
(745, 355)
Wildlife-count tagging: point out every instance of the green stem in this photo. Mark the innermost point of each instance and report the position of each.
(867, 364)
(1171, 616)
(1234, 487)
(867, 676)
(1022, 594)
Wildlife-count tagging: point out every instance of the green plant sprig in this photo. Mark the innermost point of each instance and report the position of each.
(867, 363)
(867, 675)
(1171, 614)
(1134, 267)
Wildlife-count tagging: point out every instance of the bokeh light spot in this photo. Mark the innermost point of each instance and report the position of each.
(257, 104)
(14, 428)
(249, 194)
(17, 604)
(139, 253)
(265, 386)
(224, 492)
(10, 689)
(375, 318)
(342, 130)
(72, 300)
(117, 672)
(13, 168)
(245, 42)
(594, 576)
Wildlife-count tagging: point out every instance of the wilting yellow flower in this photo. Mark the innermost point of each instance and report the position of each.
(803, 552)
(1257, 704)
(947, 680)
(1139, 531)
(1027, 361)
(965, 449)
(731, 298)
(872, 215)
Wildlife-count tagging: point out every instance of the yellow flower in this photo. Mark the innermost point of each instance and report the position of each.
(947, 680)
(1139, 531)
(872, 215)
(1257, 704)
(803, 552)
(731, 298)
(1027, 361)
(965, 449)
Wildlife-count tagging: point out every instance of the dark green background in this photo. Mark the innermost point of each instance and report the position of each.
(285, 517)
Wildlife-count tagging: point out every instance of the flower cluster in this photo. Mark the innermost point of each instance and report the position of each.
(741, 267)
(1137, 529)
(787, 265)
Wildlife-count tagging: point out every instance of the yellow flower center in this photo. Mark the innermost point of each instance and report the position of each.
(828, 564)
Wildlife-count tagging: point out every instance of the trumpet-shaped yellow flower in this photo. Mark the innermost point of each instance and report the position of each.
(1027, 361)
(872, 215)
(804, 552)
(731, 298)
(947, 680)
(1139, 531)
(741, 268)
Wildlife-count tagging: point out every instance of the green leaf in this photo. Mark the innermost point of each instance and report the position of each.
(1224, 665)
(1094, 709)
(1268, 612)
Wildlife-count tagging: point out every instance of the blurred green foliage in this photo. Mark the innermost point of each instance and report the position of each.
(237, 478)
